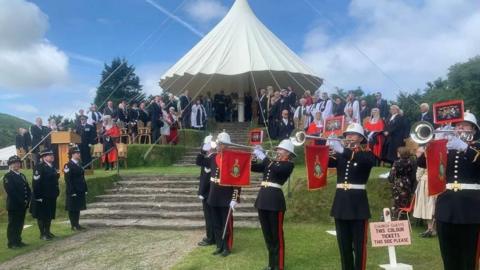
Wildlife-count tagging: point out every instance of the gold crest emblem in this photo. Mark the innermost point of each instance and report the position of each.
(317, 168)
(235, 172)
(441, 169)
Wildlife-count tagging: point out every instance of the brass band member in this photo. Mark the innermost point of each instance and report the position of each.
(350, 208)
(270, 201)
(456, 212)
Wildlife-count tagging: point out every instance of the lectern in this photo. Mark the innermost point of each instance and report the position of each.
(63, 139)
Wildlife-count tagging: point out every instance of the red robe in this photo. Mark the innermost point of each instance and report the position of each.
(378, 127)
(114, 134)
(173, 137)
(313, 129)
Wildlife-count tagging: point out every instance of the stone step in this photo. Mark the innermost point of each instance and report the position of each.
(179, 207)
(165, 224)
(163, 198)
(162, 184)
(186, 191)
(105, 213)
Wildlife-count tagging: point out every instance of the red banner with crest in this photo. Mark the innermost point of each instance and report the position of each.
(436, 155)
(316, 161)
(235, 167)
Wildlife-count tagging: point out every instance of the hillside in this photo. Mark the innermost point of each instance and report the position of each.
(9, 125)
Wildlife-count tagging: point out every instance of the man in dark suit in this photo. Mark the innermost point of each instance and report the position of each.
(262, 107)
(292, 99)
(382, 105)
(156, 116)
(185, 109)
(110, 110)
(285, 125)
(425, 113)
(38, 133)
(219, 103)
(88, 134)
(248, 107)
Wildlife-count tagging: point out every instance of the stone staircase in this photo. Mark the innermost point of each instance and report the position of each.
(238, 134)
(161, 202)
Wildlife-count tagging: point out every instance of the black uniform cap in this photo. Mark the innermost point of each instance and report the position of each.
(46, 152)
(13, 159)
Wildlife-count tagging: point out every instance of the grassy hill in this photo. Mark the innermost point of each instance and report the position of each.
(9, 125)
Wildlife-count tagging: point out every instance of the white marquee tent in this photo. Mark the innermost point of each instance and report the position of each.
(240, 54)
(6, 153)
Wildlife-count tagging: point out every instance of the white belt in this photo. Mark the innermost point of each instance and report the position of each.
(270, 184)
(455, 186)
(347, 186)
(215, 180)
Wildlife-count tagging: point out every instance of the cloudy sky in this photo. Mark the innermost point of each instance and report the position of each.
(52, 52)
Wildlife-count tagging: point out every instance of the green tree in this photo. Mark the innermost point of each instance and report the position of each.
(119, 82)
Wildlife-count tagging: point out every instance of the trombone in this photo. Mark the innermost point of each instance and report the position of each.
(301, 137)
(423, 132)
(270, 153)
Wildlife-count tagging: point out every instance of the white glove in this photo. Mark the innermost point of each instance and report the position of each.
(201, 197)
(233, 204)
(259, 154)
(443, 135)
(39, 200)
(74, 195)
(335, 145)
(206, 147)
(455, 143)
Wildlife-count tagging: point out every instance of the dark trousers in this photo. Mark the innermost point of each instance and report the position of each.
(44, 226)
(74, 217)
(85, 154)
(459, 244)
(155, 134)
(272, 228)
(210, 237)
(352, 243)
(16, 219)
(219, 218)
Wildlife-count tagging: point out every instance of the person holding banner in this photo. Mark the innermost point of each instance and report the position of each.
(456, 213)
(350, 209)
(270, 201)
(204, 189)
(222, 200)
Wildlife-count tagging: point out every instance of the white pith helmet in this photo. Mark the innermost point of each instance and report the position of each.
(287, 145)
(470, 118)
(223, 137)
(207, 139)
(355, 128)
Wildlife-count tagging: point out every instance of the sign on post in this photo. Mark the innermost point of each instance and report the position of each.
(394, 233)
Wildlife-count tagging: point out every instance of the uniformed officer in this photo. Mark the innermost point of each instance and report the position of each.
(270, 201)
(204, 189)
(457, 210)
(76, 188)
(88, 135)
(350, 208)
(222, 200)
(45, 193)
(18, 198)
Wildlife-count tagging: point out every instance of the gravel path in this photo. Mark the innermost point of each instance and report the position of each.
(111, 249)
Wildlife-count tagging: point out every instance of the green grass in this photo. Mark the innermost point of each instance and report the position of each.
(308, 246)
(9, 125)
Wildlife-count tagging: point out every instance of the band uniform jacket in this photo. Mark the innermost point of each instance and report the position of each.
(45, 187)
(18, 191)
(278, 172)
(353, 167)
(219, 196)
(460, 207)
(204, 186)
(76, 187)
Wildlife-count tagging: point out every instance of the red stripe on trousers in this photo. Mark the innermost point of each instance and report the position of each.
(281, 255)
(365, 238)
(230, 233)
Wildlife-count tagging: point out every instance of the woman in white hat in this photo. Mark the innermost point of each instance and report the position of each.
(270, 200)
(350, 209)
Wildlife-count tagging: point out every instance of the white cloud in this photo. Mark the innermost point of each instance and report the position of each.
(27, 59)
(150, 77)
(411, 43)
(204, 11)
(23, 108)
(86, 59)
(10, 96)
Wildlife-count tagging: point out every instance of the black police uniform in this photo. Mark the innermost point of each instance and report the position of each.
(75, 192)
(350, 208)
(219, 199)
(204, 190)
(457, 212)
(271, 207)
(18, 198)
(88, 134)
(44, 199)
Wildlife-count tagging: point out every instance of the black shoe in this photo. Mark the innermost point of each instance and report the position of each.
(22, 244)
(217, 251)
(225, 253)
(204, 243)
(426, 234)
(51, 235)
(45, 237)
(13, 246)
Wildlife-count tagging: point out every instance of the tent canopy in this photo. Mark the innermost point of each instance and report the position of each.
(240, 54)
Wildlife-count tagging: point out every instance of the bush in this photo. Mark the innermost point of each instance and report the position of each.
(146, 155)
(191, 137)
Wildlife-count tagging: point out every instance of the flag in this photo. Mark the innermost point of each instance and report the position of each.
(316, 161)
(256, 136)
(235, 168)
(436, 155)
